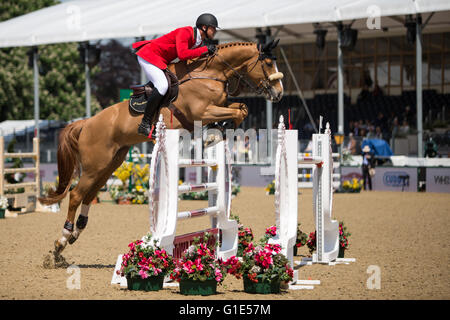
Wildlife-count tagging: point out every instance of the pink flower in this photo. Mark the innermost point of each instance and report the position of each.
(218, 275)
(271, 231)
(187, 266)
(143, 274)
(249, 248)
(264, 259)
(272, 248)
(156, 271)
(289, 271)
(198, 264)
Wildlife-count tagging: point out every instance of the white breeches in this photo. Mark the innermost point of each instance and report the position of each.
(155, 75)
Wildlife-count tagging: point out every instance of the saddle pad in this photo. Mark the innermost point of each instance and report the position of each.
(137, 103)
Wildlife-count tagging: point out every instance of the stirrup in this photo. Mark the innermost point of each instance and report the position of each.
(148, 134)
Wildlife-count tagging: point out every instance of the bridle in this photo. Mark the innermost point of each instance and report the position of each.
(263, 85)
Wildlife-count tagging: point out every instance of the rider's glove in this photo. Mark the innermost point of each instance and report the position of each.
(211, 48)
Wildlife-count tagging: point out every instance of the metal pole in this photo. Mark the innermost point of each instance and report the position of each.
(299, 92)
(419, 86)
(88, 80)
(269, 124)
(36, 91)
(340, 80)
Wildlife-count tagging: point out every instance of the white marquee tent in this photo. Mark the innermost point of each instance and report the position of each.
(84, 20)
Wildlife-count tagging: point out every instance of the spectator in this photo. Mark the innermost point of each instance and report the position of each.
(378, 133)
(356, 129)
(308, 130)
(430, 149)
(380, 121)
(247, 150)
(351, 145)
(308, 148)
(239, 150)
(408, 115)
(371, 132)
(362, 125)
(395, 127)
(351, 127)
(362, 132)
(404, 129)
(368, 166)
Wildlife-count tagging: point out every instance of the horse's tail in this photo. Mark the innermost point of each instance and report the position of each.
(68, 162)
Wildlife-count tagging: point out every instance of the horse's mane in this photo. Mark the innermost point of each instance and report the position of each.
(234, 44)
(199, 62)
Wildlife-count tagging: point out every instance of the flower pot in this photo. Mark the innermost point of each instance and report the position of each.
(2, 213)
(197, 287)
(154, 283)
(122, 200)
(262, 287)
(341, 252)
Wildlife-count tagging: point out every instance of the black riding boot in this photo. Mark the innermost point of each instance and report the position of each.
(152, 106)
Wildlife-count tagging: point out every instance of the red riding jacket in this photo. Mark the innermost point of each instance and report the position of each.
(163, 50)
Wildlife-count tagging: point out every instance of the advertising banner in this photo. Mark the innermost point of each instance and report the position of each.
(438, 180)
(386, 178)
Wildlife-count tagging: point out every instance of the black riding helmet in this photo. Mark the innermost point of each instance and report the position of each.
(207, 19)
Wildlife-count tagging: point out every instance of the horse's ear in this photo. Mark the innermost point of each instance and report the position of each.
(267, 47)
(274, 44)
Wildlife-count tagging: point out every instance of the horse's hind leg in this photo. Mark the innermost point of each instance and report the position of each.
(76, 196)
(93, 190)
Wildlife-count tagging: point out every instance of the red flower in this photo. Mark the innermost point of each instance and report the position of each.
(252, 277)
(271, 231)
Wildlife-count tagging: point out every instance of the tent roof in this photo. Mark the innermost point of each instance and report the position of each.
(83, 20)
(19, 127)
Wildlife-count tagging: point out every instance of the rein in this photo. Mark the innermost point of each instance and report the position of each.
(262, 86)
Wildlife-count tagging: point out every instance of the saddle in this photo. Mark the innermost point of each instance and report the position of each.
(141, 93)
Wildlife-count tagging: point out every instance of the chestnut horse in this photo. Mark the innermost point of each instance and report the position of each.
(97, 146)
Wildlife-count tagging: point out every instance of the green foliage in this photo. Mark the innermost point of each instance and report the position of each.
(302, 237)
(343, 235)
(198, 262)
(245, 235)
(61, 81)
(261, 263)
(145, 260)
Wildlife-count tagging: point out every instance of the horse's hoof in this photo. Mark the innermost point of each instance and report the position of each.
(49, 261)
(211, 140)
(72, 239)
(59, 247)
(54, 259)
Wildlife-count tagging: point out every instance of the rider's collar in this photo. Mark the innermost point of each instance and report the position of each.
(197, 38)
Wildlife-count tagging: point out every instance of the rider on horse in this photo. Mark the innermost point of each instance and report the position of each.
(154, 55)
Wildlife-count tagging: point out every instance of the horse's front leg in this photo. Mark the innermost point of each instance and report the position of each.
(235, 111)
(242, 107)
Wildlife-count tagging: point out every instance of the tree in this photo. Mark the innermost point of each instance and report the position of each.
(118, 70)
(61, 80)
